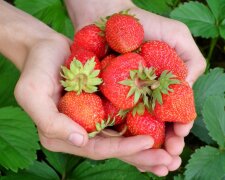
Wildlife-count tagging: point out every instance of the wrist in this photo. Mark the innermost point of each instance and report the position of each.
(90, 11)
(19, 32)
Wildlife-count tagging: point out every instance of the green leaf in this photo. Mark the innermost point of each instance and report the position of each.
(206, 163)
(38, 171)
(207, 85)
(51, 12)
(198, 18)
(218, 8)
(214, 117)
(112, 169)
(9, 75)
(154, 177)
(160, 7)
(222, 29)
(18, 139)
(62, 163)
(178, 177)
(201, 132)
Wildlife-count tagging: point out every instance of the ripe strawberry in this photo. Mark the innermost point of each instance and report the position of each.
(177, 106)
(81, 72)
(85, 109)
(162, 57)
(90, 38)
(112, 112)
(113, 75)
(105, 62)
(147, 124)
(123, 33)
(83, 56)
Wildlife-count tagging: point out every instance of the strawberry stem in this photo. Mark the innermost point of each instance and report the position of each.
(114, 134)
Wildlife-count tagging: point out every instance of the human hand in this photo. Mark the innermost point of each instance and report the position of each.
(177, 35)
(38, 91)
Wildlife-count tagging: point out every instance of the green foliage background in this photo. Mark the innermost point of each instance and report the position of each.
(22, 157)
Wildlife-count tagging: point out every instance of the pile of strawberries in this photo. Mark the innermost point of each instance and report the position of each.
(113, 79)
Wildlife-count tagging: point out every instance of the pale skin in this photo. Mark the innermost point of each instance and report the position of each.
(38, 53)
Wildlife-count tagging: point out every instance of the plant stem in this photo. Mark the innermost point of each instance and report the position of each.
(212, 47)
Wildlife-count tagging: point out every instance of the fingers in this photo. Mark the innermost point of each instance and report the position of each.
(102, 148)
(182, 130)
(151, 157)
(157, 170)
(175, 164)
(173, 144)
(50, 122)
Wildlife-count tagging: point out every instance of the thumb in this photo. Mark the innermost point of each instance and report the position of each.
(52, 124)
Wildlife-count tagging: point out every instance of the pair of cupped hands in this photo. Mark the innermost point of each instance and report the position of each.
(38, 91)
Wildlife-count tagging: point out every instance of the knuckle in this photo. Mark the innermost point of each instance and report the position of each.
(47, 127)
(183, 28)
(48, 144)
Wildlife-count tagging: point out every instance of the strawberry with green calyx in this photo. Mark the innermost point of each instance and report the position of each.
(162, 87)
(124, 81)
(178, 105)
(82, 55)
(147, 124)
(123, 32)
(86, 110)
(140, 83)
(81, 77)
(112, 111)
(161, 56)
(90, 38)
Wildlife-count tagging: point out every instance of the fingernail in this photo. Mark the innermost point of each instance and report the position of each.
(76, 139)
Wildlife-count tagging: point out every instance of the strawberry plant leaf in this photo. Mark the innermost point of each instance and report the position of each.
(8, 73)
(207, 85)
(39, 170)
(206, 163)
(161, 7)
(178, 177)
(198, 18)
(201, 132)
(222, 29)
(51, 12)
(214, 117)
(112, 169)
(18, 139)
(218, 8)
(62, 163)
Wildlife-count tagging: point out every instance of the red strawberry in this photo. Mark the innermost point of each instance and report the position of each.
(162, 57)
(85, 109)
(82, 55)
(177, 106)
(112, 112)
(117, 71)
(90, 38)
(123, 33)
(81, 72)
(105, 62)
(147, 124)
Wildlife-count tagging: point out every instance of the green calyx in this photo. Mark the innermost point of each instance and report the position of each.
(147, 88)
(81, 77)
(164, 81)
(101, 126)
(140, 82)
